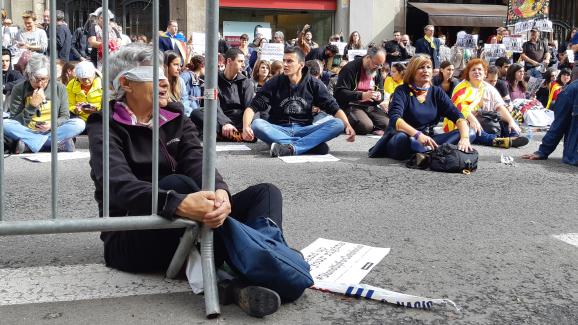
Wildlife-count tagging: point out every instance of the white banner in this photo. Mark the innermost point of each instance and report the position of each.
(467, 41)
(266, 32)
(544, 25)
(308, 158)
(199, 43)
(351, 54)
(383, 295)
(570, 55)
(494, 50)
(523, 26)
(272, 52)
(341, 262)
(341, 46)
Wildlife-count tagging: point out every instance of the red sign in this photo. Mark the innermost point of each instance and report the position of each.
(233, 41)
(330, 5)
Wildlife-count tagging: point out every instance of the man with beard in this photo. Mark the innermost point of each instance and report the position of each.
(396, 49)
(291, 97)
(359, 90)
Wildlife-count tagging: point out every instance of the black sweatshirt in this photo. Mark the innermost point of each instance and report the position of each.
(294, 103)
(234, 97)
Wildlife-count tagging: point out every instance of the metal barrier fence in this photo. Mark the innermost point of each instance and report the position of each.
(107, 223)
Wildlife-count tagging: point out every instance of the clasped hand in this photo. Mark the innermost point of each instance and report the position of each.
(210, 208)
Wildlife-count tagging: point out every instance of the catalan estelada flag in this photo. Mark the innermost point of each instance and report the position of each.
(466, 99)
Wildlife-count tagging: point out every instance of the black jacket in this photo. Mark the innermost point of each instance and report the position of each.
(316, 54)
(63, 42)
(9, 79)
(392, 47)
(131, 162)
(346, 88)
(293, 103)
(234, 96)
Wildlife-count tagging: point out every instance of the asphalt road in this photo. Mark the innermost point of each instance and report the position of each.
(484, 241)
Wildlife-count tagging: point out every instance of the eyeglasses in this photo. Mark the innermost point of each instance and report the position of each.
(40, 79)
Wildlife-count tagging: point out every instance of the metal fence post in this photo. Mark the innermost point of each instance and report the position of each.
(54, 110)
(2, 183)
(209, 153)
(105, 112)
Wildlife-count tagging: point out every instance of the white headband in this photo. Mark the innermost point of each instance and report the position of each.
(142, 73)
(42, 72)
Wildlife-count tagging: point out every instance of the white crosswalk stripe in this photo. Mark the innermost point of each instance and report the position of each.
(79, 282)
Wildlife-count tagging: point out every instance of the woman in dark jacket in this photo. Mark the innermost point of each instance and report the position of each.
(445, 79)
(416, 107)
(180, 172)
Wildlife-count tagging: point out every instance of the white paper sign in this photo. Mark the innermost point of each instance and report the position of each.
(199, 43)
(523, 26)
(308, 158)
(272, 52)
(513, 43)
(341, 46)
(544, 25)
(232, 147)
(570, 55)
(494, 50)
(340, 262)
(266, 32)
(46, 156)
(382, 295)
(351, 54)
(467, 41)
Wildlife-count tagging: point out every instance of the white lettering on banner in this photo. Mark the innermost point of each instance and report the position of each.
(341, 262)
(544, 25)
(266, 32)
(382, 295)
(341, 46)
(523, 26)
(513, 43)
(467, 41)
(351, 54)
(272, 52)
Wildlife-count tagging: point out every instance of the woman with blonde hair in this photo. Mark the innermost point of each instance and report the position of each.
(415, 109)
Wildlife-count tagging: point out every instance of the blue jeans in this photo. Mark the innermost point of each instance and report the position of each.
(302, 137)
(401, 146)
(35, 140)
(487, 139)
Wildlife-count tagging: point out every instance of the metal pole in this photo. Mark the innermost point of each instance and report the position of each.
(155, 144)
(105, 112)
(209, 154)
(2, 183)
(186, 244)
(54, 110)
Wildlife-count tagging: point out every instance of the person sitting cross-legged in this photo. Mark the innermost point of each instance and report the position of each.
(416, 108)
(291, 97)
(30, 111)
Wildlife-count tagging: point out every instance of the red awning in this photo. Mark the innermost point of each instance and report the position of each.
(282, 4)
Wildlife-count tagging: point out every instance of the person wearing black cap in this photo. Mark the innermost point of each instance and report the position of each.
(535, 54)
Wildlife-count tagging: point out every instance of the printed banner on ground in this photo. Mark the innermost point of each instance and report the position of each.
(383, 295)
(272, 52)
(232, 147)
(47, 156)
(335, 261)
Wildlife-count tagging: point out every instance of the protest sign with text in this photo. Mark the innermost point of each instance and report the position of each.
(513, 43)
(467, 41)
(351, 54)
(272, 52)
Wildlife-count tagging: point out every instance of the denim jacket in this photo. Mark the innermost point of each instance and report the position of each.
(565, 125)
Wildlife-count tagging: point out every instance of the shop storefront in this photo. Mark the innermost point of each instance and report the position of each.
(288, 16)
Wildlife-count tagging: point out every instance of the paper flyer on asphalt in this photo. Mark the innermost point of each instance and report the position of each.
(232, 147)
(46, 156)
(383, 295)
(341, 262)
(308, 158)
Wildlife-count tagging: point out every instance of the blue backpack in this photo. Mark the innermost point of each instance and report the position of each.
(259, 253)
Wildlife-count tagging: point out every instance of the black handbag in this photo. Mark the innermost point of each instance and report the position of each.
(449, 159)
(490, 122)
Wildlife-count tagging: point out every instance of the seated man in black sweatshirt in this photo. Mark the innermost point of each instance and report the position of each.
(359, 90)
(290, 98)
(235, 94)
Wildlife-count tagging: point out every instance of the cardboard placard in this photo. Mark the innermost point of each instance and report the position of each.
(266, 32)
(351, 54)
(272, 52)
(523, 26)
(494, 50)
(570, 55)
(199, 43)
(544, 25)
(513, 43)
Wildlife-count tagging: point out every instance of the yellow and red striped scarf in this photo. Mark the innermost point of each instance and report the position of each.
(555, 89)
(466, 100)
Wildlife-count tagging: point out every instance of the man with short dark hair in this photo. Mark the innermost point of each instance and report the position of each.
(502, 63)
(63, 37)
(395, 49)
(406, 41)
(290, 98)
(10, 77)
(535, 54)
(359, 90)
(172, 40)
(500, 85)
(235, 94)
(325, 55)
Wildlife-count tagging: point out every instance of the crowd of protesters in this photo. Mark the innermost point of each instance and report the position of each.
(415, 97)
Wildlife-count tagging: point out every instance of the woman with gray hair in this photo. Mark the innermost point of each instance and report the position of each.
(180, 177)
(30, 111)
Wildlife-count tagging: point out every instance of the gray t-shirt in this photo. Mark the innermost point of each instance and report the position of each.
(34, 38)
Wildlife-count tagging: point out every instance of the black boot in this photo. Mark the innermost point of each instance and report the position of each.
(254, 300)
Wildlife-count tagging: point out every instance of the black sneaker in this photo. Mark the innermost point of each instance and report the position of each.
(280, 150)
(254, 300)
(66, 146)
(320, 149)
(519, 142)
